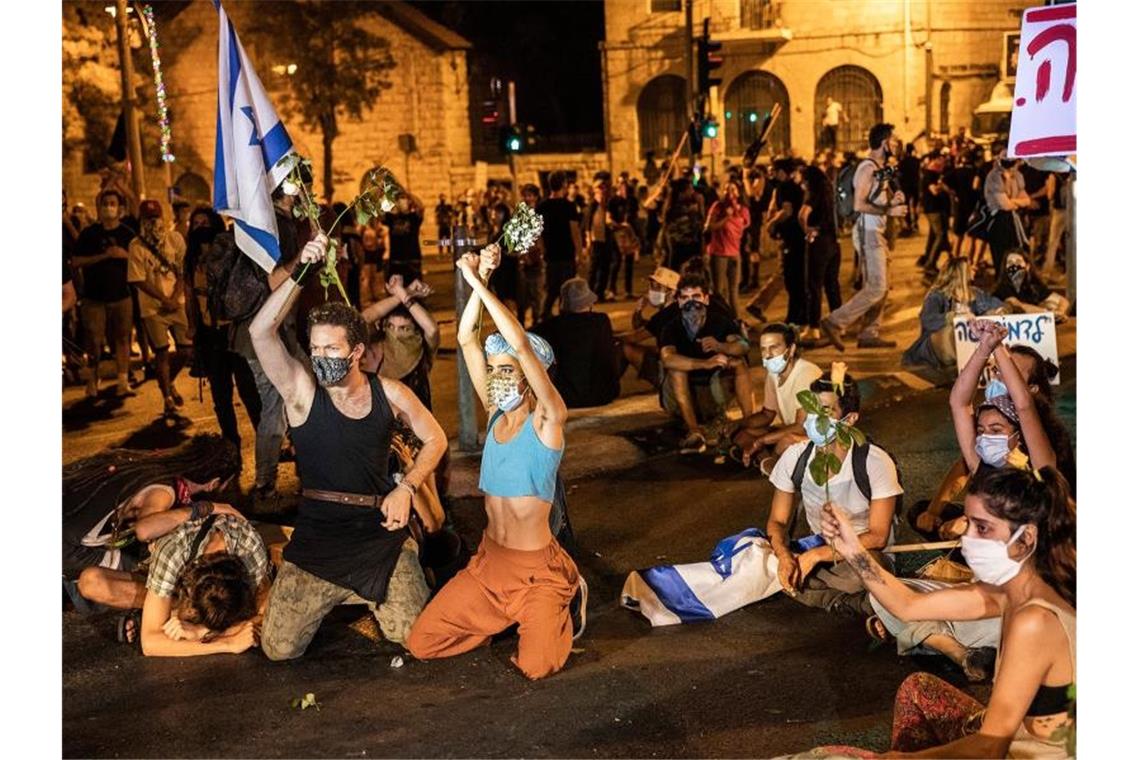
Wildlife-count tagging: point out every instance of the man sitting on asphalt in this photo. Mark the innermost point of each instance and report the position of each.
(587, 362)
(351, 540)
(866, 486)
(655, 309)
(696, 347)
(780, 422)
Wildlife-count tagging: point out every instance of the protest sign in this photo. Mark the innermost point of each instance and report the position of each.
(1044, 118)
(1038, 331)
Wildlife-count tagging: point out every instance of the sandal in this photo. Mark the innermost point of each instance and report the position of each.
(128, 629)
(877, 630)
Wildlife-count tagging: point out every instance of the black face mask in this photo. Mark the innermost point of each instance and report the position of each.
(1008, 163)
(1016, 275)
(330, 370)
(693, 315)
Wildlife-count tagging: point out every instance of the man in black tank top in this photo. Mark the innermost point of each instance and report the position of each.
(351, 542)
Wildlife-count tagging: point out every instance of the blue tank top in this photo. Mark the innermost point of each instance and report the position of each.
(523, 466)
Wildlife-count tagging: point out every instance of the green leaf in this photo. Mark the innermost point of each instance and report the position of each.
(832, 463)
(818, 469)
(297, 212)
(295, 703)
(841, 432)
(362, 215)
(857, 435)
(822, 423)
(810, 403)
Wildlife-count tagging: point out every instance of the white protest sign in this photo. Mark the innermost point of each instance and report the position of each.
(1038, 331)
(1044, 118)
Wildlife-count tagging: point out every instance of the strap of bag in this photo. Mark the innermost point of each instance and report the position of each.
(154, 251)
(203, 531)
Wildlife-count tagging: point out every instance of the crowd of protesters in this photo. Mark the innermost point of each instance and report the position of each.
(346, 389)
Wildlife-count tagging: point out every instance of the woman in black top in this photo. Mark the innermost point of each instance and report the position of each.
(817, 218)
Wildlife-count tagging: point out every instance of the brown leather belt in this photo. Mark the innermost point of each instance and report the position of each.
(340, 497)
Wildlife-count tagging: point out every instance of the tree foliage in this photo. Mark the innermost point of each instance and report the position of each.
(342, 66)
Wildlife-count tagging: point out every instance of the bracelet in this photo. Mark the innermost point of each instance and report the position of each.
(408, 486)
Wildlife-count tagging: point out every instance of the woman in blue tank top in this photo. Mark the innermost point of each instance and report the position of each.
(520, 573)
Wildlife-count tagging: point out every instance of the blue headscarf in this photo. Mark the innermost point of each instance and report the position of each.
(497, 344)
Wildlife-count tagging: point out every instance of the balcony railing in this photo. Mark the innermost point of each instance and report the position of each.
(759, 14)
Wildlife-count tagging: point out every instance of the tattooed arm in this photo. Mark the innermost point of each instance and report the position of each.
(967, 602)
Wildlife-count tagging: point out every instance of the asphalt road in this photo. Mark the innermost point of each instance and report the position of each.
(769, 679)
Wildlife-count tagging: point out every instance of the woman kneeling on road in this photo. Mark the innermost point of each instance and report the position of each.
(1021, 545)
(520, 573)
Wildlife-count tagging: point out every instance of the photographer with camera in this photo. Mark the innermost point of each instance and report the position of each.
(877, 196)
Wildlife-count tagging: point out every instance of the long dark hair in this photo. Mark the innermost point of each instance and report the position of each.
(216, 591)
(1042, 499)
(820, 193)
(1040, 374)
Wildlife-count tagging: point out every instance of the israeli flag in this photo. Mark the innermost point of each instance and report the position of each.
(742, 570)
(251, 141)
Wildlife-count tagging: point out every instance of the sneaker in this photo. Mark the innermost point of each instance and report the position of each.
(694, 443)
(831, 332)
(876, 342)
(578, 609)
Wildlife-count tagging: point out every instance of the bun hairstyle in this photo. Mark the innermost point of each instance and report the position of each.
(1042, 372)
(215, 591)
(1041, 498)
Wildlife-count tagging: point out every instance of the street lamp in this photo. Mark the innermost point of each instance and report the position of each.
(285, 69)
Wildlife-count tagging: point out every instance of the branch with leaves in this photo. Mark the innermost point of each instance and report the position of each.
(378, 197)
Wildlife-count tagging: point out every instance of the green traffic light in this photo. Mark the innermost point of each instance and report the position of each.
(514, 145)
(752, 117)
(728, 115)
(710, 129)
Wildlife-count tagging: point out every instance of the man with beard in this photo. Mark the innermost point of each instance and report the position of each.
(696, 348)
(155, 269)
(351, 540)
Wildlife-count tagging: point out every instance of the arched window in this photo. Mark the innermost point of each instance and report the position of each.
(661, 114)
(747, 101)
(192, 187)
(858, 93)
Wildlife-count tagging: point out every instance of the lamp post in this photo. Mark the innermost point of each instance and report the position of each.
(134, 146)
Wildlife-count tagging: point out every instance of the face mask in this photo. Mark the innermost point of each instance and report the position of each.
(693, 314)
(1007, 164)
(656, 297)
(1016, 275)
(503, 392)
(813, 433)
(405, 334)
(996, 388)
(330, 370)
(776, 364)
(989, 558)
(993, 449)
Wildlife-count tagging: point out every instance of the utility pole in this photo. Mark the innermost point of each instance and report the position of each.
(511, 155)
(134, 146)
(689, 72)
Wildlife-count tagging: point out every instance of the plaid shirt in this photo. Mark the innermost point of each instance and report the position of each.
(171, 553)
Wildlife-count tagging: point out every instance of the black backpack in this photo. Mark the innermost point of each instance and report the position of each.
(859, 470)
(236, 286)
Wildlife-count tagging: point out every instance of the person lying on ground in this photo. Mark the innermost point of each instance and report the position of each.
(1021, 546)
(702, 348)
(867, 486)
(520, 573)
(780, 422)
(207, 577)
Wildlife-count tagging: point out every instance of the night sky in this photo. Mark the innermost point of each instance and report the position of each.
(550, 50)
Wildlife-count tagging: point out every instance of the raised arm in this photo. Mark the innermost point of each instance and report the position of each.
(288, 375)
(962, 394)
(551, 407)
(469, 339)
(1041, 453)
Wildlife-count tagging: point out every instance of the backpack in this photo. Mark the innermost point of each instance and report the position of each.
(236, 286)
(845, 192)
(859, 470)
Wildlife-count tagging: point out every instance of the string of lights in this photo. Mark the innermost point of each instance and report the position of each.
(159, 87)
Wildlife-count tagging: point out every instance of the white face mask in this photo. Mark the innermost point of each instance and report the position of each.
(993, 449)
(776, 364)
(989, 558)
(656, 297)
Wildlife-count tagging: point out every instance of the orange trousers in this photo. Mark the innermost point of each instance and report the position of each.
(499, 587)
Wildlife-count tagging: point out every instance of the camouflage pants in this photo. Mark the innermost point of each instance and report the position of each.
(299, 601)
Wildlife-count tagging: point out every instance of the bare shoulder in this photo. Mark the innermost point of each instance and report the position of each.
(1031, 624)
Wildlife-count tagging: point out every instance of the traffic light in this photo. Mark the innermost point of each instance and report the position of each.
(696, 137)
(709, 128)
(511, 139)
(708, 61)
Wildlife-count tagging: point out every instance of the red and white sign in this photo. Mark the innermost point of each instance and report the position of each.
(1044, 119)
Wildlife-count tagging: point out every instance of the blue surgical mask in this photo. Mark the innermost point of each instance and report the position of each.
(993, 449)
(996, 388)
(819, 439)
(503, 392)
(776, 364)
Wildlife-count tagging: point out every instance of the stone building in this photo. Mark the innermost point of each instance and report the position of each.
(428, 99)
(878, 58)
